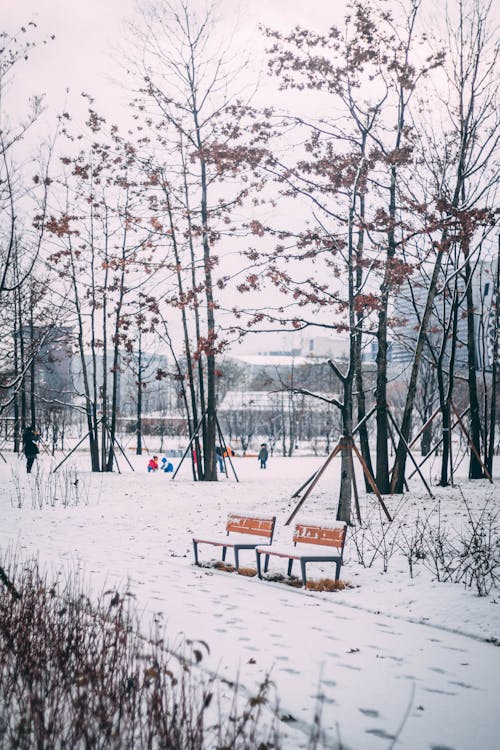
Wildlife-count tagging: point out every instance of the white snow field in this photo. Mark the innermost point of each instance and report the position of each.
(394, 661)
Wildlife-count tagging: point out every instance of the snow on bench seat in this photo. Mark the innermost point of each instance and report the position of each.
(239, 527)
(311, 543)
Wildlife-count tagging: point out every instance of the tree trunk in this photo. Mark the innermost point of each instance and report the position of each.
(361, 398)
(494, 366)
(475, 468)
(346, 468)
(398, 472)
(210, 433)
(138, 428)
(192, 418)
(33, 346)
(89, 399)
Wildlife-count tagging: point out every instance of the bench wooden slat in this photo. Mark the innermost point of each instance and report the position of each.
(247, 525)
(308, 534)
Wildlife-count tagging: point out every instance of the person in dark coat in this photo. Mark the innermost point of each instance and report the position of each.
(30, 447)
(263, 455)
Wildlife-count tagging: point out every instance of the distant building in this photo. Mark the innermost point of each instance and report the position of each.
(289, 351)
(266, 402)
(405, 331)
(53, 362)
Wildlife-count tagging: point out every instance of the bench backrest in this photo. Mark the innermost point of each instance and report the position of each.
(326, 536)
(257, 525)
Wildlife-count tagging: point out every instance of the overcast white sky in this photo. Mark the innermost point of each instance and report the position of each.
(88, 33)
(82, 56)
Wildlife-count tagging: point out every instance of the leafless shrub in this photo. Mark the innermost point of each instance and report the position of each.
(412, 543)
(479, 549)
(374, 540)
(44, 488)
(468, 555)
(440, 552)
(79, 675)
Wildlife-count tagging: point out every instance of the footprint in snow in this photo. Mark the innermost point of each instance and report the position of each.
(369, 712)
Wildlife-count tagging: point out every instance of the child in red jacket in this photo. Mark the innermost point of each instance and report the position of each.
(153, 464)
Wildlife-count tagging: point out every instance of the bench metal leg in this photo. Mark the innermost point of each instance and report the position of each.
(303, 570)
(224, 550)
(237, 557)
(337, 569)
(290, 566)
(259, 564)
(195, 547)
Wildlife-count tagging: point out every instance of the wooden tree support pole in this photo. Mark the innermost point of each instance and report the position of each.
(45, 447)
(116, 442)
(471, 444)
(313, 483)
(371, 481)
(354, 483)
(297, 492)
(429, 421)
(75, 448)
(193, 437)
(360, 423)
(223, 448)
(436, 446)
(410, 454)
(223, 444)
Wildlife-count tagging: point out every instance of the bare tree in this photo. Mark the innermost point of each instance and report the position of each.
(464, 185)
(186, 81)
(24, 190)
(102, 248)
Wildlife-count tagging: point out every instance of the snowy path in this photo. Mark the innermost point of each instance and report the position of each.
(368, 669)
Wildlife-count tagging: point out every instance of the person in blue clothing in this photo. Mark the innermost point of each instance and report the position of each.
(166, 465)
(220, 459)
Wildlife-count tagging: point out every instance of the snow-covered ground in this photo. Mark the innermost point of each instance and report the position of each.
(387, 656)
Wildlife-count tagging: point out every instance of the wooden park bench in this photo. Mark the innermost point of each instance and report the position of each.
(311, 543)
(239, 530)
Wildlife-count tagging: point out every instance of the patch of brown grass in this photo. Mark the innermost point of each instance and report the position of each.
(224, 566)
(250, 572)
(325, 584)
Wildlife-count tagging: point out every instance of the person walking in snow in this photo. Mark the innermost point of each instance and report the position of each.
(30, 447)
(220, 460)
(263, 455)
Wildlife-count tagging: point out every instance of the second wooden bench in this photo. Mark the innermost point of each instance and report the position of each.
(311, 543)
